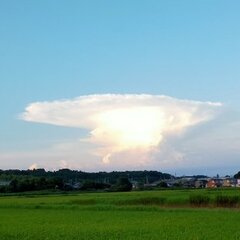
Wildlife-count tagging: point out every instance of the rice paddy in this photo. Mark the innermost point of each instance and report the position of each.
(148, 215)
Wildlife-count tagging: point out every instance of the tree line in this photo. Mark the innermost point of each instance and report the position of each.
(65, 179)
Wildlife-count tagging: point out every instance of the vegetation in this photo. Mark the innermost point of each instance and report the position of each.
(122, 185)
(67, 175)
(227, 201)
(199, 200)
(237, 175)
(64, 179)
(166, 214)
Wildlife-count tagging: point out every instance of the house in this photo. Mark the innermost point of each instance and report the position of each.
(149, 185)
(4, 183)
(201, 183)
(72, 186)
(214, 183)
(188, 183)
(229, 182)
(135, 184)
(77, 186)
(185, 182)
(238, 183)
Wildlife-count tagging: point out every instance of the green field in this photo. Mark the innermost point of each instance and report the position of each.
(148, 215)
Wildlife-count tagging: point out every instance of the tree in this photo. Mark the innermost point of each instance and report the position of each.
(163, 184)
(237, 175)
(123, 185)
(14, 185)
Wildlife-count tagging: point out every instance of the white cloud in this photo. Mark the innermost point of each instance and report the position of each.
(127, 130)
(33, 166)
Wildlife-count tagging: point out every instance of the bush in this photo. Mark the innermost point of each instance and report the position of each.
(163, 184)
(123, 185)
(227, 201)
(199, 200)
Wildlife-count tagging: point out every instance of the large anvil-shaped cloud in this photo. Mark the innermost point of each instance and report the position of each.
(122, 122)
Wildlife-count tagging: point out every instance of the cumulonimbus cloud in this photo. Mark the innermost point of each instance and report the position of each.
(123, 122)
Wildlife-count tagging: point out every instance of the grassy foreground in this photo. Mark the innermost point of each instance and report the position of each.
(135, 215)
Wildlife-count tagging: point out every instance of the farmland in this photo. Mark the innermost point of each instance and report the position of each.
(168, 214)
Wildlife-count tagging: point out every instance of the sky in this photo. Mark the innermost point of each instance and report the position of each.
(120, 85)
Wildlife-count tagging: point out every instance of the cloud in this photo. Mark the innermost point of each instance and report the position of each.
(33, 166)
(133, 127)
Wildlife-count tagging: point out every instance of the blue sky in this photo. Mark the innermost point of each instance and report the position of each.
(52, 50)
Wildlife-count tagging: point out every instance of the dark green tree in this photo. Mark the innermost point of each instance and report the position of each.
(123, 185)
(163, 184)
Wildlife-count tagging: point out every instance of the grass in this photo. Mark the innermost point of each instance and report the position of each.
(136, 215)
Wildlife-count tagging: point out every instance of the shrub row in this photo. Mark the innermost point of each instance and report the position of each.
(227, 201)
(219, 201)
(199, 200)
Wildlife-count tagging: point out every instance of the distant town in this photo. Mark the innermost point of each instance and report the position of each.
(198, 182)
